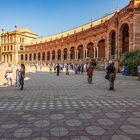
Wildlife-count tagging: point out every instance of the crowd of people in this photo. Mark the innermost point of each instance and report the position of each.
(78, 68)
(20, 75)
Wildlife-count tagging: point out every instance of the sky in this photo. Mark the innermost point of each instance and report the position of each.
(47, 17)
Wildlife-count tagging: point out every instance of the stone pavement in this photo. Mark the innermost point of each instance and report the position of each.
(67, 108)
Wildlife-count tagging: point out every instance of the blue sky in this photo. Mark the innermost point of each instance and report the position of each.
(46, 17)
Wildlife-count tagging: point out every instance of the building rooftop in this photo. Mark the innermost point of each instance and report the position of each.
(72, 31)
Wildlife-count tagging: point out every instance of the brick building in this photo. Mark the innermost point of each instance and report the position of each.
(106, 38)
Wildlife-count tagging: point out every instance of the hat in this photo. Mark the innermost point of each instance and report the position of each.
(110, 62)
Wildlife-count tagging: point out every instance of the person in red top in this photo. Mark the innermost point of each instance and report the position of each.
(90, 70)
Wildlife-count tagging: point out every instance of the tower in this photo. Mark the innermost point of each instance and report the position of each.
(135, 3)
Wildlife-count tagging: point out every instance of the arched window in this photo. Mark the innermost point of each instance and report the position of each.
(43, 56)
(39, 56)
(53, 55)
(59, 54)
(21, 47)
(125, 38)
(11, 58)
(26, 57)
(34, 56)
(30, 57)
(101, 51)
(65, 54)
(90, 51)
(80, 52)
(72, 53)
(22, 57)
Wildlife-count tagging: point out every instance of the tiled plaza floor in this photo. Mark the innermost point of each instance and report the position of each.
(67, 108)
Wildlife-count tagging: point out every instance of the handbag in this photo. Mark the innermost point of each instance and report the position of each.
(107, 76)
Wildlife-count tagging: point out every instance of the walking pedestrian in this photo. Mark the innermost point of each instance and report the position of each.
(111, 75)
(67, 69)
(90, 73)
(138, 70)
(57, 70)
(9, 75)
(22, 76)
(18, 75)
(125, 71)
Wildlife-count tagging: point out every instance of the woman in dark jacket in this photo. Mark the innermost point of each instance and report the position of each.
(22, 76)
(112, 75)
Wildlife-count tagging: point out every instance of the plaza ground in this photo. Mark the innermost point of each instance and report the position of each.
(68, 108)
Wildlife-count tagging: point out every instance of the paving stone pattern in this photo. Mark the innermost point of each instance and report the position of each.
(68, 108)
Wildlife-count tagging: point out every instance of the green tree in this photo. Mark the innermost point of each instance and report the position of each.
(132, 60)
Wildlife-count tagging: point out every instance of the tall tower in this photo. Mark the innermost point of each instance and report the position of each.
(135, 3)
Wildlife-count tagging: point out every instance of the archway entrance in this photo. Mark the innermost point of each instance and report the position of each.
(80, 52)
(59, 54)
(101, 46)
(125, 38)
(48, 55)
(53, 55)
(43, 56)
(72, 53)
(101, 54)
(90, 50)
(65, 54)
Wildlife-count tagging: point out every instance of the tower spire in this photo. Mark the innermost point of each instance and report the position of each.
(135, 3)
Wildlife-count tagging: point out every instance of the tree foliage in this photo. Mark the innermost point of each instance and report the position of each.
(132, 60)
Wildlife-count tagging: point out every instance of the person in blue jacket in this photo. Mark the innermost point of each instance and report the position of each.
(125, 70)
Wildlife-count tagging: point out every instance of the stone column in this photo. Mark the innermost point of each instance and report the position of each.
(62, 56)
(68, 55)
(32, 56)
(86, 52)
(97, 52)
(50, 56)
(94, 52)
(6, 58)
(107, 48)
(75, 54)
(28, 57)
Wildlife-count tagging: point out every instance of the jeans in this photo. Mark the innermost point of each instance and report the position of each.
(21, 82)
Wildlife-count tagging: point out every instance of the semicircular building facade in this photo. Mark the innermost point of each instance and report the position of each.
(106, 38)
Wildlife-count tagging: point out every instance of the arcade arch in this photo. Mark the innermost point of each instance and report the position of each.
(80, 52)
(124, 33)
